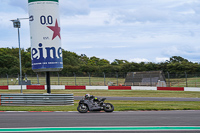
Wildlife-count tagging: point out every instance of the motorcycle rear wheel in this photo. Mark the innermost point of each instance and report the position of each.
(82, 108)
(108, 108)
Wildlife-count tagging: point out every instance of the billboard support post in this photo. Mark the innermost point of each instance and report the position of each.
(48, 82)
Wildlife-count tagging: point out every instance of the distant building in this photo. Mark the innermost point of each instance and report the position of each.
(146, 78)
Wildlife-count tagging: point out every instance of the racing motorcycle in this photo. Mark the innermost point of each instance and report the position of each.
(91, 103)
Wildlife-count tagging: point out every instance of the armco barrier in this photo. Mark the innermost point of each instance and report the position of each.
(171, 88)
(36, 99)
(119, 87)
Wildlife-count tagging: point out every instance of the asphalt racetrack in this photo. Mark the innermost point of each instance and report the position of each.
(143, 121)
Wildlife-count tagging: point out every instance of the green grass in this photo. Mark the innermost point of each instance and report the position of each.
(115, 93)
(155, 105)
(97, 81)
(119, 106)
(181, 82)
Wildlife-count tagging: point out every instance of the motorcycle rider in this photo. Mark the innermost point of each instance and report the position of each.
(92, 103)
(87, 96)
(91, 97)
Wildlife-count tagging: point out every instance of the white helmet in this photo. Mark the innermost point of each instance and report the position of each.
(87, 95)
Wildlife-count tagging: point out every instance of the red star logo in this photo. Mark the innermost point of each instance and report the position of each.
(55, 29)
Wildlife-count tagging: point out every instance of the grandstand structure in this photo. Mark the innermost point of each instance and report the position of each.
(146, 78)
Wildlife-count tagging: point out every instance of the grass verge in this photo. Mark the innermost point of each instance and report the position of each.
(114, 93)
(119, 106)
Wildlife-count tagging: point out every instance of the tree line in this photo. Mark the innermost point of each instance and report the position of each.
(79, 64)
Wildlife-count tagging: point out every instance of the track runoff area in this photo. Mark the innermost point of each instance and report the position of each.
(105, 129)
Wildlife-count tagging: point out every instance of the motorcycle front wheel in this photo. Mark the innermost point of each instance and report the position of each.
(82, 108)
(108, 108)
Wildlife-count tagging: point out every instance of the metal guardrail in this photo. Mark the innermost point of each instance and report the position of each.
(36, 99)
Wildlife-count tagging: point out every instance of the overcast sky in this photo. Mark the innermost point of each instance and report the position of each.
(133, 30)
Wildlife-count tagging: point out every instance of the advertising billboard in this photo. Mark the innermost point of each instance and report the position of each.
(44, 21)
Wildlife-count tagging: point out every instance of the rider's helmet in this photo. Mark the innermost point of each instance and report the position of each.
(87, 95)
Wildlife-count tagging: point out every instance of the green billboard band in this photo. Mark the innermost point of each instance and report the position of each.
(29, 1)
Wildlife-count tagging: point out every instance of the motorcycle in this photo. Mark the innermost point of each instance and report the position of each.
(94, 104)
